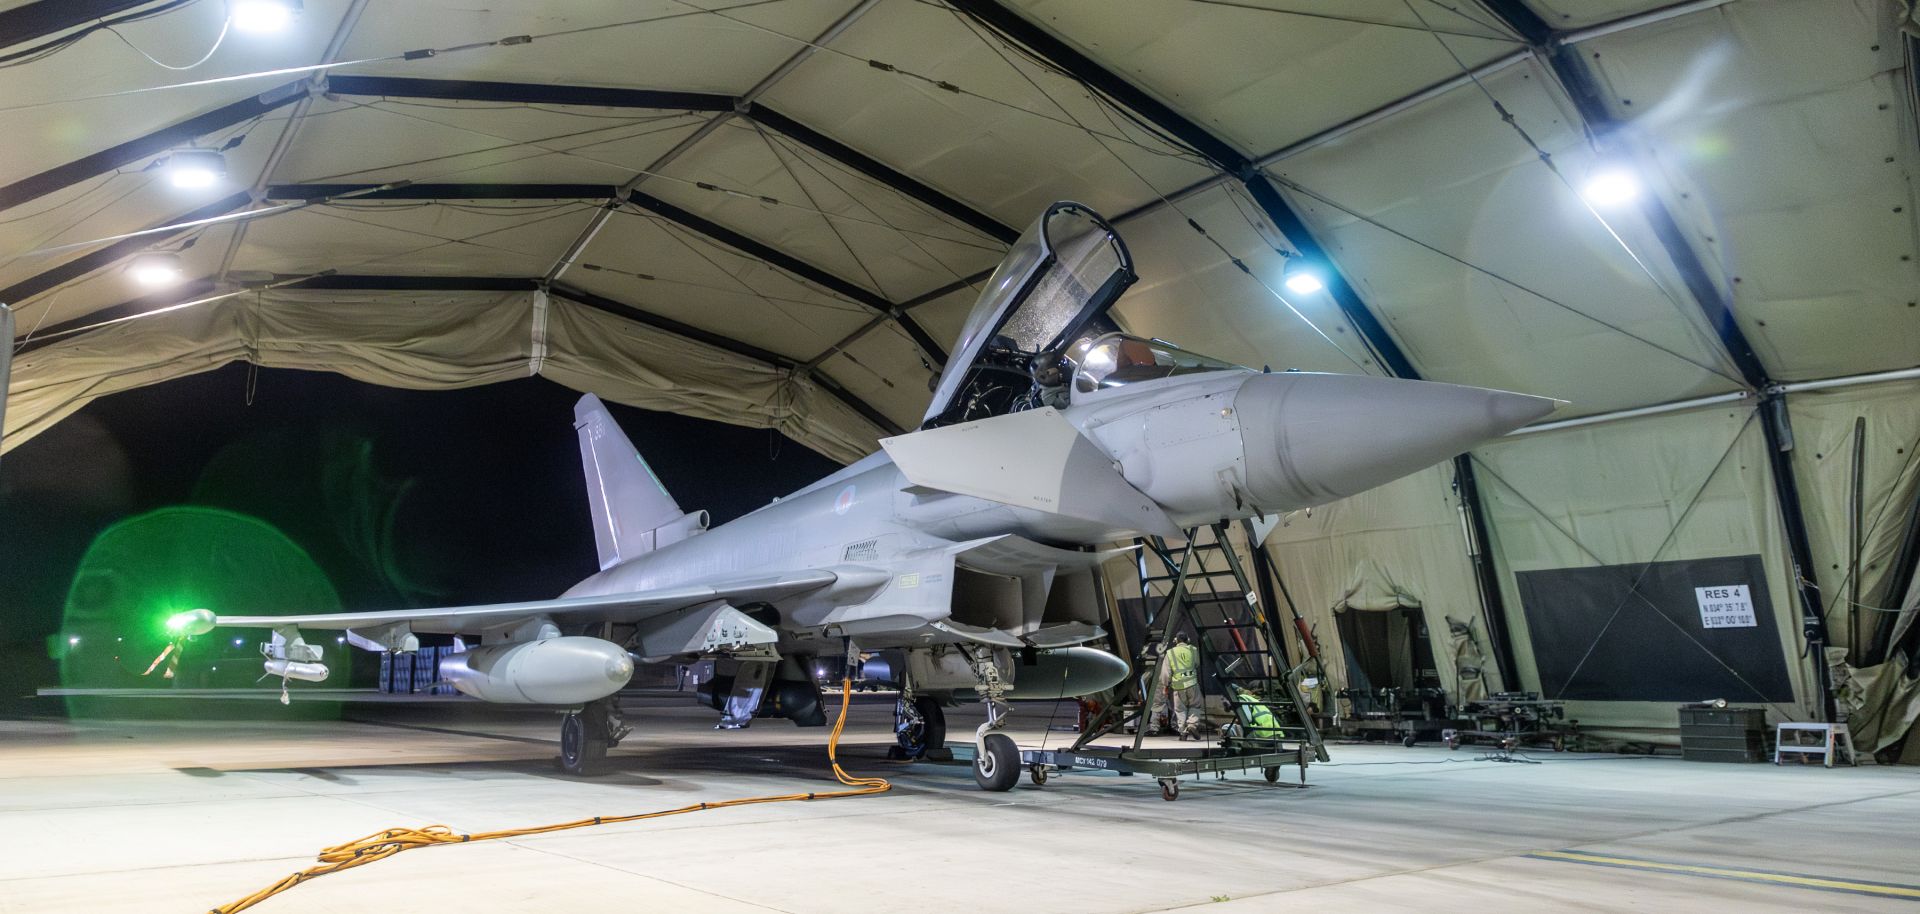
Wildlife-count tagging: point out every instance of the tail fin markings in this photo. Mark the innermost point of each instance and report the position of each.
(628, 502)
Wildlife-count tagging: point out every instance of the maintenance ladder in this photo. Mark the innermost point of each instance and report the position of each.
(1199, 585)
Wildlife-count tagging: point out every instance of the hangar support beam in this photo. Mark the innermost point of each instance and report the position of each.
(103, 257)
(791, 264)
(185, 132)
(156, 143)
(1716, 306)
(1001, 18)
(33, 21)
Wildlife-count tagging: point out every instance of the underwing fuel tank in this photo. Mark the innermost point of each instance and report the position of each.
(554, 671)
(1068, 672)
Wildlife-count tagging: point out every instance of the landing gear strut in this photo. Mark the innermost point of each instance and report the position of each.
(996, 760)
(587, 734)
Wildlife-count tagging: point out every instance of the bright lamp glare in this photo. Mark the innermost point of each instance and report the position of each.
(1301, 275)
(1305, 283)
(156, 269)
(192, 177)
(192, 169)
(1611, 187)
(262, 15)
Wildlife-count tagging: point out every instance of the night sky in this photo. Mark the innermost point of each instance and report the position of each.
(402, 497)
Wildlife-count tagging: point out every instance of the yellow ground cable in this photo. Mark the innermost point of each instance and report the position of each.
(385, 844)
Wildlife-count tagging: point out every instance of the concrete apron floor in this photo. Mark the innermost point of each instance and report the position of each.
(154, 816)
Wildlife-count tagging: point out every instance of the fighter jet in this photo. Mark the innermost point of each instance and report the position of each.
(957, 547)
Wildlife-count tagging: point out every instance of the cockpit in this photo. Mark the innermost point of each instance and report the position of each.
(1116, 359)
(1040, 330)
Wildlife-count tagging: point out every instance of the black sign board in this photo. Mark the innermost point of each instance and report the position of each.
(1670, 631)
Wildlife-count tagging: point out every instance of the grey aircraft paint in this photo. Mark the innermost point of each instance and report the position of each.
(961, 542)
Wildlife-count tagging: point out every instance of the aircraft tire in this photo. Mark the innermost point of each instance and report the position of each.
(581, 749)
(934, 730)
(931, 734)
(998, 766)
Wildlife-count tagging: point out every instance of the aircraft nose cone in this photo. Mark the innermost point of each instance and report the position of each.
(1313, 438)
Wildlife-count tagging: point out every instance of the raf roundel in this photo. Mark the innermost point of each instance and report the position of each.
(844, 501)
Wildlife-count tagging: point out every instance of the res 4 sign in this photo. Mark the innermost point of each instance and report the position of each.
(1730, 606)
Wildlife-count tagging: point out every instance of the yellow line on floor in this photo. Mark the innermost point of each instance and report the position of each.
(1796, 880)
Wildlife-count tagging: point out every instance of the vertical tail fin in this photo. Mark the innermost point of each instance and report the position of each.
(628, 502)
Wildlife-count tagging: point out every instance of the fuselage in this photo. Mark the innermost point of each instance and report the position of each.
(1201, 447)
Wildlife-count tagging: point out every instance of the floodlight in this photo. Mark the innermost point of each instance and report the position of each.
(155, 269)
(74, 641)
(262, 15)
(193, 169)
(1611, 187)
(1302, 277)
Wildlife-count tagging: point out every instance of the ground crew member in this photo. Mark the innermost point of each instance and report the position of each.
(1256, 716)
(1183, 679)
(1153, 688)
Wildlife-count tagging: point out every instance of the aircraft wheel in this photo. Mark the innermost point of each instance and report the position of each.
(1409, 742)
(1039, 775)
(583, 746)
(1169, 789)
(930, 733)
(997, 767)
(1272, 773)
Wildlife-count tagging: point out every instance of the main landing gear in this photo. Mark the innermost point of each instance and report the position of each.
(919, 725)
(587, 734)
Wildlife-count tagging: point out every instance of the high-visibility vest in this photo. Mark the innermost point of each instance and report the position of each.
(1183, 663)
(1257, 715)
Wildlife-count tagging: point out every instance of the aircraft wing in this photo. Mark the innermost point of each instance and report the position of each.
(625, 607)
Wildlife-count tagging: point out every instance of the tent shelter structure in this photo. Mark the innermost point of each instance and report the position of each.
(776, 213)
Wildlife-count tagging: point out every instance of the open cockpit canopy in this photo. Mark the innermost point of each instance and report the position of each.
(1059, 279)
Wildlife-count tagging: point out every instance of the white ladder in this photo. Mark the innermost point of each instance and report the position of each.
(1833, 737)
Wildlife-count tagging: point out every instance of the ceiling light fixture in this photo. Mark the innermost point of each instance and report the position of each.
(260, 16)
(1301, 276)
(194, 169)
(1610, 187)
(156, 269)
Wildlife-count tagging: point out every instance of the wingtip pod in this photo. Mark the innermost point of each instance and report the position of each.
(190, 623)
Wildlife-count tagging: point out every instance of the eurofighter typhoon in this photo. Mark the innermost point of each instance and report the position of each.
(958, 547)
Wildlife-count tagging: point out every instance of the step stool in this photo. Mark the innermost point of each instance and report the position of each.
(1833, 737)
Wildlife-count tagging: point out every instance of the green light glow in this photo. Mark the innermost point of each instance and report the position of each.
(190, 623)
(147, 580)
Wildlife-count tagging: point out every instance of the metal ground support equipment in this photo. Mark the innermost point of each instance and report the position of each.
(1199, 586)
(1510, 720)
(1406, 716)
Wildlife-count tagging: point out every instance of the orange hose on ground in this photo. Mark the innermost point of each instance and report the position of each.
(381, 845)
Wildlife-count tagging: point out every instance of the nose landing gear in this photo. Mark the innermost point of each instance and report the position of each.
(996, 767)
(996, 760)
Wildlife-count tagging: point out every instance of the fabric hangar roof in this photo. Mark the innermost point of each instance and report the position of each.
(778, 212)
